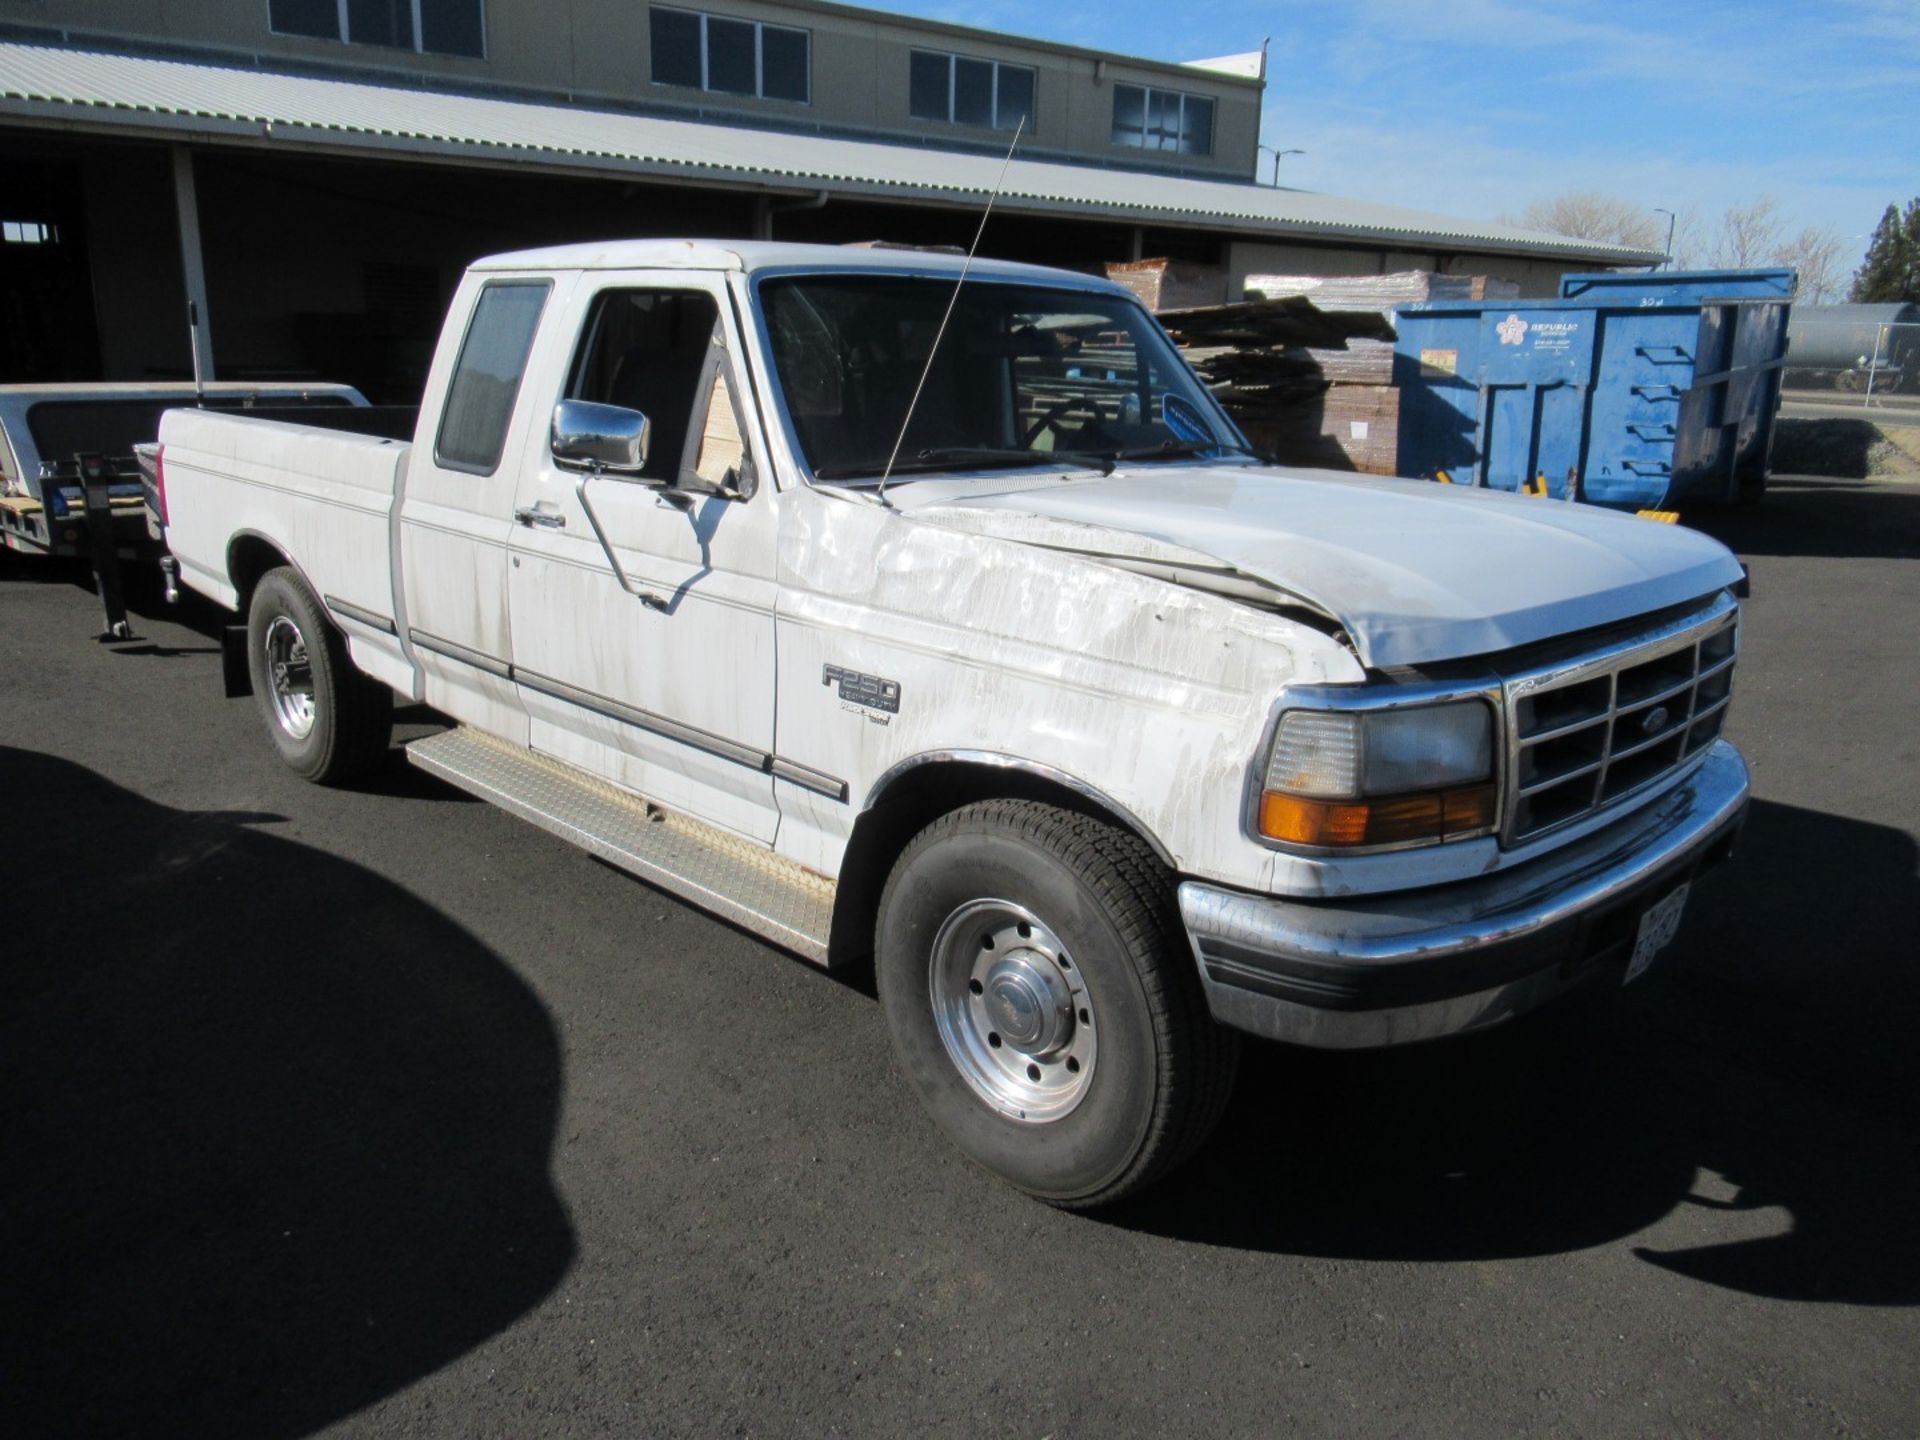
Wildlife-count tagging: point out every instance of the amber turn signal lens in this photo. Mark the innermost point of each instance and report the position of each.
(1465, 810)
(1385, 820)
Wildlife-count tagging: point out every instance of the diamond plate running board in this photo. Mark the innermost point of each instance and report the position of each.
(734, 878)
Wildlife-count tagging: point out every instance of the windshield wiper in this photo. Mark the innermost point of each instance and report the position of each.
(984, 457)
(1105, 461)
(974, 457)
(1175, 449)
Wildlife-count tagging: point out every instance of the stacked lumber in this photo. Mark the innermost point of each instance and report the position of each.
(1295, 321)
(1305, 364)
(1293, 370)
(1345, 427)
(1170, 284)
(1381, 293)
(1309, 385)
(1280, 349)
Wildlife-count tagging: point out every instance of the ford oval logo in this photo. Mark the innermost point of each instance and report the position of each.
(1654, 721)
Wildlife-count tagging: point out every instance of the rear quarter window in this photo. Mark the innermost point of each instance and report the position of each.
(486, 378)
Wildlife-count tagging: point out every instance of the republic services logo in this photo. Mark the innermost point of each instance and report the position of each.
(1512, 330)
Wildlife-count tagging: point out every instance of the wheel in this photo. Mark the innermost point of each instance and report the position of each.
(1043, 1003)
(329, 722)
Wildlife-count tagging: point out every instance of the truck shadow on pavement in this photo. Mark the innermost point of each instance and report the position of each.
(200, 616)
(277, 1134)
(1811, 516)
(1745, 1113)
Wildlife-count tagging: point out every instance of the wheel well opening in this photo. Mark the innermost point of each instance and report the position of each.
(908, 806)
(248, 558)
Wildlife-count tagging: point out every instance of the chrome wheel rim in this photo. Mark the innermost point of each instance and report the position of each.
(289, 678)
(1013, 1010)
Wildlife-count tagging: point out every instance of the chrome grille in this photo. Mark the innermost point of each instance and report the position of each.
(1596, 730)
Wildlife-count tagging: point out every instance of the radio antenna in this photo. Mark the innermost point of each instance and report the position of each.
(940, 334)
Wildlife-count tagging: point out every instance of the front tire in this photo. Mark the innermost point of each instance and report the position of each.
(329, 723)
(1042, 1001)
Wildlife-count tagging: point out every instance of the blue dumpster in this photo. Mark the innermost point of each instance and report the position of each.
(1634, 286)
(1638, 391)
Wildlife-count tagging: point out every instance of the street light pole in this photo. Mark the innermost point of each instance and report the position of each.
(1277, 154)
(1667, 264)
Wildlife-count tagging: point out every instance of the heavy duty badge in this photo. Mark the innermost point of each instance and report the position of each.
(869, 691)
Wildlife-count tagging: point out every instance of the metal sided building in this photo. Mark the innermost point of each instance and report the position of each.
(314, 174)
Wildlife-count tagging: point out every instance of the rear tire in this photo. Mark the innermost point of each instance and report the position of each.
(329, 723)
(1043, 1002)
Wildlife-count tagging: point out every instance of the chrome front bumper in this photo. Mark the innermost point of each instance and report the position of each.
(1394, 969)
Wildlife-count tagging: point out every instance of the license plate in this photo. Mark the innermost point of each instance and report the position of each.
(1657, 929)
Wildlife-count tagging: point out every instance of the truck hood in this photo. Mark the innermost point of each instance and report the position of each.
(1416, 572)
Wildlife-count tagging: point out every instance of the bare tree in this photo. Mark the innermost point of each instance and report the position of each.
(1586, 215)
(1815, 254)
(1749, 235)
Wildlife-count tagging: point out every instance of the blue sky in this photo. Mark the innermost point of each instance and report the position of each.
(1476, 107)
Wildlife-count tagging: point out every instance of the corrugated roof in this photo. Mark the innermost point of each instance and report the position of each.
(95, 89)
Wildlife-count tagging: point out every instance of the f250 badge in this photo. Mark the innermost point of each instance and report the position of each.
(868, 692)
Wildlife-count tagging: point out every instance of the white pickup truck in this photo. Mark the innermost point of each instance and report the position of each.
(1102, 737)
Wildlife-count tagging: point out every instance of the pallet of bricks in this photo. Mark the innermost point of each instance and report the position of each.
(1305, 363)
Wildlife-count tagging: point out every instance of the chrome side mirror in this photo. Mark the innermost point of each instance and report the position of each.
(609, 438)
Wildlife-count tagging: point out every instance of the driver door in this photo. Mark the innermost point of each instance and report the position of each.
(642, 615)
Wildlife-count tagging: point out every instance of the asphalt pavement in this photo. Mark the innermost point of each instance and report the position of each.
(379, 1112)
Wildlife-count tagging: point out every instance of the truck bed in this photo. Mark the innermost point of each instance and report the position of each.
(310, 491)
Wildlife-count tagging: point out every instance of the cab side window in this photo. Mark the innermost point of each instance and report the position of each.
(486, 378)
(649, 350)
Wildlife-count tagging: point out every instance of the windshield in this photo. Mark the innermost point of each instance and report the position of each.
(1024, 376)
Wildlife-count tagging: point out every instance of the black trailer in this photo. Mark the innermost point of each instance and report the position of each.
(45, 429)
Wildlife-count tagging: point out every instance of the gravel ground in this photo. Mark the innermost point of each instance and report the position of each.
(382, 1113)
(1847, 449)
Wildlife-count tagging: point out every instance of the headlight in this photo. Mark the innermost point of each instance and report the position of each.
(1343, 778)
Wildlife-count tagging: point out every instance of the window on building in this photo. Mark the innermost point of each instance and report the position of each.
(486, 379)
(381, 22)
(728, 56)
(28, 232)
(318, 18)
(432, 27)
(961, 90)
(452, 27)
(1162, 120)
(783, 64)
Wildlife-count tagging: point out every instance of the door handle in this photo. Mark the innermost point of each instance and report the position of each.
(535, 515)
